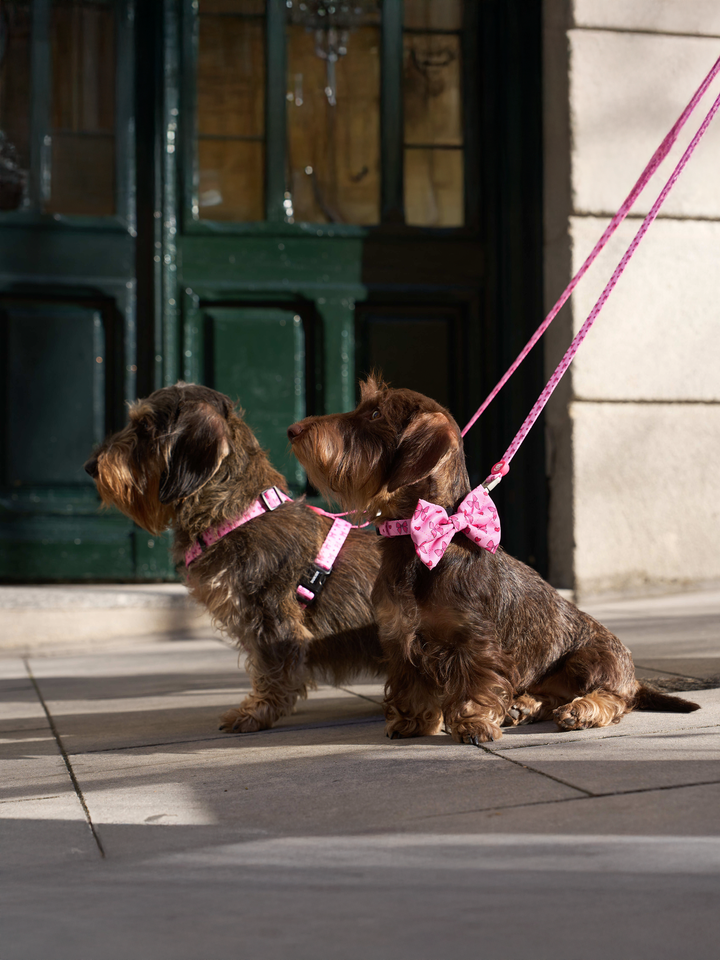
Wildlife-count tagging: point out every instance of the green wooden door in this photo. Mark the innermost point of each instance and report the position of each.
(68, 285)
(271, 197)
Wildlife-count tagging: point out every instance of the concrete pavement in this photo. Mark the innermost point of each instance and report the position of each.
(130, 826)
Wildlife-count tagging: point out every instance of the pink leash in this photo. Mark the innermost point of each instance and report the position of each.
(430, 527)
(501, 467)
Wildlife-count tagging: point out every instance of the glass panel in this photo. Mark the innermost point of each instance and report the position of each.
(81, 169)
(231, 110)
(333, 101)
(14, 103)
(434, 194)
(432, 82)
(432, 87)
(433, 14)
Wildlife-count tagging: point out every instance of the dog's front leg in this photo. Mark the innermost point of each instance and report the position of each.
(411, 708)
(277, 671)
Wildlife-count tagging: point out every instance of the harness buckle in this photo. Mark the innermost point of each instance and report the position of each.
(272, 498)
(312, 582)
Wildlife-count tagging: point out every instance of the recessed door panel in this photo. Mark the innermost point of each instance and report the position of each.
(55, 392)
(257, 357)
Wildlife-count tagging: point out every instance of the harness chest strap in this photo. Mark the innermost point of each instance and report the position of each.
(269, 500)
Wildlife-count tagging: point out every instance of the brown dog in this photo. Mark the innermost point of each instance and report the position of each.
(481, 640)
(187, 460)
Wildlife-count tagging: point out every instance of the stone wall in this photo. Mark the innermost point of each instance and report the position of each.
(634, 431)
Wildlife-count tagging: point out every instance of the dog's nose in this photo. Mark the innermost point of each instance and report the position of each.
(91, 467)
(295, 430)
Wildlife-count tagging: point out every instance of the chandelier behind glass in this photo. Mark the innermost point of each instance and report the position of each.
(331, 21)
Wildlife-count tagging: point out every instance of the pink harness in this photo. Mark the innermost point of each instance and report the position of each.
(311, 583)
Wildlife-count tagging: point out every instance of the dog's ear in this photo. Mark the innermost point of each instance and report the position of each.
(422, 446)
(199, 446)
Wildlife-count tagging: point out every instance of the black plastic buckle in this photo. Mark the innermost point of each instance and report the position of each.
(314, 581)
(264, 499)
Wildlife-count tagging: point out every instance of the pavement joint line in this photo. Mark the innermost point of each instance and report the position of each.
(228, 737)
(360, 695)
(524, 766)
(66, 760)
(54, 796)
(577, 799)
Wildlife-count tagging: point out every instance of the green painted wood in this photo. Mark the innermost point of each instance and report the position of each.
(256, 355)
(270, 263)
(55, 361)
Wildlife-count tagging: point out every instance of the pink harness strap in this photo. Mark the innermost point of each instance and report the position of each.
(268, 500)
(311, 584)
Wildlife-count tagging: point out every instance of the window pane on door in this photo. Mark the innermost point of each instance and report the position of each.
(14, 103)
(333, 112)
(79, 166)
(231, 110)
(433, 118)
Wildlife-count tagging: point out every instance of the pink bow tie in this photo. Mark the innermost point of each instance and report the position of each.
(432, 530)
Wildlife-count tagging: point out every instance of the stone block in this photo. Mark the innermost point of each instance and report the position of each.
(646, 505)
(701, 17)
(656, 338)
(626, 92)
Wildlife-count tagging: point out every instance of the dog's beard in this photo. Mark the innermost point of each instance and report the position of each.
(341, 470)
(134, 493)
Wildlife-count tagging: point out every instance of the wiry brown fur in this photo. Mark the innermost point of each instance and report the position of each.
(481, 640)
(187, 460)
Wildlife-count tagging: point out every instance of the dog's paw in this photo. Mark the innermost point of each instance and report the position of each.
(524, 709)
(574, 716)
(426, 724)
(239, 721)
(476, 732)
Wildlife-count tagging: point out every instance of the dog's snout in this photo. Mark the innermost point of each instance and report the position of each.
(91, 467)
(294, 431)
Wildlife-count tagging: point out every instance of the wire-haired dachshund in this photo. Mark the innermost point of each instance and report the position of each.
(480, 640)
(188, 461)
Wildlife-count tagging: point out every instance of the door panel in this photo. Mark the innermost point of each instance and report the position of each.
(413, 346)
(55, 367)
(256, 355)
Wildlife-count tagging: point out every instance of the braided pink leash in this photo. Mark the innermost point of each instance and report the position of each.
(501, 468)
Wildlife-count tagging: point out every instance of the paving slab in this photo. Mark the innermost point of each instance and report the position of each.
(130, 826)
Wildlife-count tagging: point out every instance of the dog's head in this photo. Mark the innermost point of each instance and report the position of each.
(395, 446)
(173, 444)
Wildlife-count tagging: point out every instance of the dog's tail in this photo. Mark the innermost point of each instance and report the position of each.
(648, 698)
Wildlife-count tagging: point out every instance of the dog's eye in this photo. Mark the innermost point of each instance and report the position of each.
(375, 415)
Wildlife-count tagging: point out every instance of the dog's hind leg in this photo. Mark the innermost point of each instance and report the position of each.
(597, 709)
(593, 686)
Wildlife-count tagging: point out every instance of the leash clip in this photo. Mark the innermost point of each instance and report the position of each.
(499, 470)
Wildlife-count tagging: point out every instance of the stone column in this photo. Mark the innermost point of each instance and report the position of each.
(634, 431)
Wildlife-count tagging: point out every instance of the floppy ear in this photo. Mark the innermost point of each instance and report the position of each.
(422, 446)
(200, 447)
